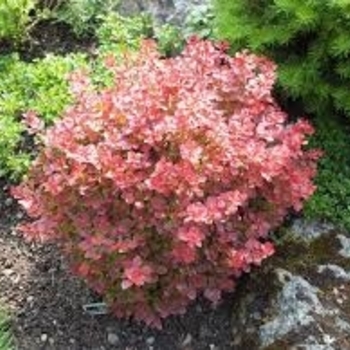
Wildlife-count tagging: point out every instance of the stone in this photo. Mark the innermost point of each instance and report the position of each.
(298, 299)
(113, 339)
(30, 299)
(8, 272)
(150, 340)
(187, 340)
(8, 202)
(163, 11)
(345, 242)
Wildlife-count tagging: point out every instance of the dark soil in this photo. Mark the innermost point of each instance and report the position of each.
(46, 303)
(50, 37)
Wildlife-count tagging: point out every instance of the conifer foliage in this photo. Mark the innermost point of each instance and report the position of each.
(165, 185)
(308, 39)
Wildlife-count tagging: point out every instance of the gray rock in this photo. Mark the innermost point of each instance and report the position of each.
(308, 231)
(163, 11)
(8, 202)
(113, 339)
(150, 340)
(187, 340)
(298, 299)
(345, 242)
(338, 271)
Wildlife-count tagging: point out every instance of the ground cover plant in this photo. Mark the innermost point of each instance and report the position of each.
(15, 19)
(5, 338)
(164, 186)
(331, 200)
(39, 86)
(83, 16)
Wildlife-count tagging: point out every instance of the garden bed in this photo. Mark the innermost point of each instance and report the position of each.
(46, 302)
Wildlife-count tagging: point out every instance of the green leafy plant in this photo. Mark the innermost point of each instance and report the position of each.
(83, 16)
(309, 40)
(119, 34)
(15, 19)
(331, 200)
(40, 86)
(170, 39)
(165, 185)
(5, 337)
(200, 21)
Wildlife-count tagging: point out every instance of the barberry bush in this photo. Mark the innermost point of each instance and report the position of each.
(165, 185)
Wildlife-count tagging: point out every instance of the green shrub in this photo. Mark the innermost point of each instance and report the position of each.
(309, 40)
(15, 18)
(170, 39)
(331, 200)
(83, 15)
(200, 20)
(119, 34)
(40, 86)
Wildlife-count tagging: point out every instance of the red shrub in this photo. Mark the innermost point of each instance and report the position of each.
(166, 185)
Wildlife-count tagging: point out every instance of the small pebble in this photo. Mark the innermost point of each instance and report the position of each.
(150, 340)
(43, 337)
(112, 339)
(256, 316)
(19, 215)
(237, 340)
(250, 330)
(8, 202)
(187, 340)
(7, 272)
